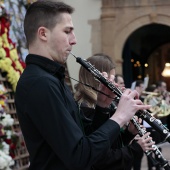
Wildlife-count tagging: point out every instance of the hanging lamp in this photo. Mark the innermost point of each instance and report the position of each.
(166, 71)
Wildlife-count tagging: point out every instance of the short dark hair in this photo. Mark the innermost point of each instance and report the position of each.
(43, 13)
(139, 82)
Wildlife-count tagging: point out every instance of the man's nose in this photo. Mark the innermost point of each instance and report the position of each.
(73, 40)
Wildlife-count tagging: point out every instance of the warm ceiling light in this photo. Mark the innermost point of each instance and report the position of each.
(166, 71)
(146, 64)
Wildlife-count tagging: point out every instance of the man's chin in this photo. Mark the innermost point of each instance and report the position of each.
(65, 59)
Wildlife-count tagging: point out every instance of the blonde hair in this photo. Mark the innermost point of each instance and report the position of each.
(87, 95)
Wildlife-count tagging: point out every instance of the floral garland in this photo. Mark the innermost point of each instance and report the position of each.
(7, 136)
(5, 159)
(10, 62)
(11, 67)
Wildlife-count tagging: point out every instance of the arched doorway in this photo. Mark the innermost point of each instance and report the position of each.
(145, 52)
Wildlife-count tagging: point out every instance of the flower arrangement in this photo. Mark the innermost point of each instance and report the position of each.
(11, 67)
(7, 136)
(10, 62)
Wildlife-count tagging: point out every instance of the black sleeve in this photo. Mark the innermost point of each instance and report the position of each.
(93, 118)
(126, 136)
(119, 159)
(101, 115)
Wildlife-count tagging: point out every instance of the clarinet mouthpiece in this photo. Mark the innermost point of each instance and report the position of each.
(72, 54)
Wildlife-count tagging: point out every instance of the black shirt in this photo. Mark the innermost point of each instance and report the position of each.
(50, 121)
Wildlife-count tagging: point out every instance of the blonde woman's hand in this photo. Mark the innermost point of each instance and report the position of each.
(103, 100)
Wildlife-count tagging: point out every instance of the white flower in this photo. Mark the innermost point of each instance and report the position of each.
(8, 134)
(5, 161)
(7, 120)
(5, 148)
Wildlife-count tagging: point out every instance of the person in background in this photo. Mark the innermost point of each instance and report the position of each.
(119, 80)
(139, 87)
(48, 114)
(120, 156)
(161, 88)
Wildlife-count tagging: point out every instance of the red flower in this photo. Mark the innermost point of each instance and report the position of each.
(12, 146)
(12, 155)
(8, 141)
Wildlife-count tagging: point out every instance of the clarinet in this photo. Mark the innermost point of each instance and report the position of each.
(162, 161)
(144, 114)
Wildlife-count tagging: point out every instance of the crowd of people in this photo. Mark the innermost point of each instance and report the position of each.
(87, 131)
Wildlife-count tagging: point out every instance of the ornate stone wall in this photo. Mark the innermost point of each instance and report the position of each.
(120, 18)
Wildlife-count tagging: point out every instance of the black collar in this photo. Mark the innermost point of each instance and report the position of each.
(47, 64)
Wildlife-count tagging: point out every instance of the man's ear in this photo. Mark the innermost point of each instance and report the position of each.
(42, 33)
